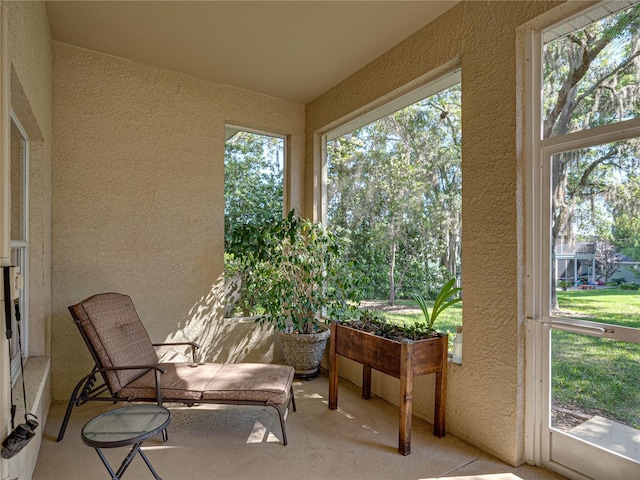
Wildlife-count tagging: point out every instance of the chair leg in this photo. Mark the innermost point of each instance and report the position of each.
(65, 422)
(284, 431)
(86, 384)
(292, 399)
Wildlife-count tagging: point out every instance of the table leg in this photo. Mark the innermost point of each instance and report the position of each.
(106, 464)
(146, 460)
(126, 462)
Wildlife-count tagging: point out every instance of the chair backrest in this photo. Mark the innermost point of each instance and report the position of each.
(115, 336)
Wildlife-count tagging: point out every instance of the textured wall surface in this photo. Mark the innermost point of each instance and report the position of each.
(31, 79)
(486, 393)
(30, 55)
(138, 200)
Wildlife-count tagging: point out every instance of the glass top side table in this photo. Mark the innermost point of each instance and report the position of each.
(130, 425)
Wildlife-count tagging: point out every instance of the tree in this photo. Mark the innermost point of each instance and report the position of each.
(608, 260)
(253, 180)
(395, 185)
(253, 196)
(590, 79)
(626, 212)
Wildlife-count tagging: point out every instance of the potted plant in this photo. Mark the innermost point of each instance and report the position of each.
(402, 352)
(445, 298)
(296, 271)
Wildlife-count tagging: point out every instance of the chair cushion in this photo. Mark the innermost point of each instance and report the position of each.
(118, 337)
(180, 382)
(253, 382)
(216, 383)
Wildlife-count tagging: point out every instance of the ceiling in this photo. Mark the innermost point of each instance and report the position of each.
(293, 50)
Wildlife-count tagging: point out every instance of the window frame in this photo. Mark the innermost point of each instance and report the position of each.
(422, 88)
(228, 127)
(538, 153)
(231, 129)
(20, 248)
(401, 98)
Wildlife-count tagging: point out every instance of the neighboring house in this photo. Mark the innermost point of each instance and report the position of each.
(576, 261)
(629, 270)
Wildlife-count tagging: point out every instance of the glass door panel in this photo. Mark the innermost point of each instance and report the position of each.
(594, 334)
(586, 293)
(595, 401)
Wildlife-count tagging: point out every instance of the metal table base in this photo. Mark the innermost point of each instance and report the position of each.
(125, 463)
(130, 425)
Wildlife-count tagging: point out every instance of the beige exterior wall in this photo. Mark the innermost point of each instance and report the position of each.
(31, 59)
(30, 78)
(486, 402)
(138, 200)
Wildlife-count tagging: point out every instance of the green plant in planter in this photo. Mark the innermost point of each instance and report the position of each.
(442, 302)
(295, 270)
(374, 321)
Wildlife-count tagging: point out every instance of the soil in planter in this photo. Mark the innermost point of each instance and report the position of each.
(387, 330)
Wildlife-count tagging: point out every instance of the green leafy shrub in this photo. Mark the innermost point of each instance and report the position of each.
(294, 270)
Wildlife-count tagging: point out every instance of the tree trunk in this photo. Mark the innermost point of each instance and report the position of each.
(392, 272)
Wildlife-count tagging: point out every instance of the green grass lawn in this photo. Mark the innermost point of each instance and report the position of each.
(594, 375)
(609, 305)
(598, 375)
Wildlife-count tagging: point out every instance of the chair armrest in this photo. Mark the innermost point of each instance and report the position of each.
(133, 367)
(194, 346)
(157, 368)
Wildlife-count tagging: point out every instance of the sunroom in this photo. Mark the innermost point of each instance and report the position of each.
(119, 111)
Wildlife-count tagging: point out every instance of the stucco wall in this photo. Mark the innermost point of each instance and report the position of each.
(30, 54)
(138, 200)
(30, 79)
(485, 394)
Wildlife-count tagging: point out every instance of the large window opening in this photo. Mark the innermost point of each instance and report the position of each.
(254, 197)
(20, 238)
(394, 188)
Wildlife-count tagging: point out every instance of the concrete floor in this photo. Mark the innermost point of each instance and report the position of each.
(358, 441)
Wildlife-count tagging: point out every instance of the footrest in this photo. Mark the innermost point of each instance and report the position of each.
(250, 382)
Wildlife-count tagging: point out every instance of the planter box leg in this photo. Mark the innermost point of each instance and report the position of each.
(366, 382)
(333, 370)
(406, 392)
(440, 407)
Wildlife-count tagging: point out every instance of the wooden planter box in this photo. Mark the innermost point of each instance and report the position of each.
(402, 360)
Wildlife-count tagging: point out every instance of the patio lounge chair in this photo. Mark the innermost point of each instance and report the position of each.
(127, 363)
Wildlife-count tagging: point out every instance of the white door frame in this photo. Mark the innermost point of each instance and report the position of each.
(539, 321)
